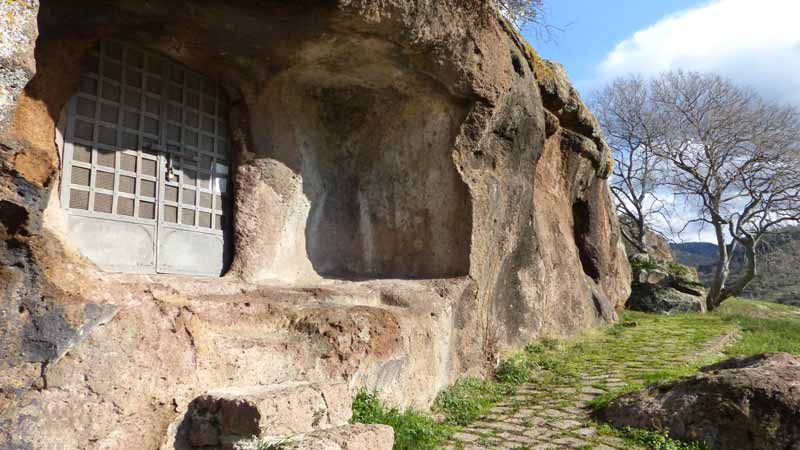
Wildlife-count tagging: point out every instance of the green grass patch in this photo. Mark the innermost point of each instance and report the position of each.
(671, 373)
(765, 326)
(413, 430)
(600, 402)
(652, 440)
(469, 399)
(515, 370)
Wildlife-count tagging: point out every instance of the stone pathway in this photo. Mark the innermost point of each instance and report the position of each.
(555, 417)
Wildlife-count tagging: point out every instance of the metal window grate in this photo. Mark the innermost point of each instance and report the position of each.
(81, 176)
(103, 202)
(134, 115)
(105, 180)
(125, 206)
(78, 199)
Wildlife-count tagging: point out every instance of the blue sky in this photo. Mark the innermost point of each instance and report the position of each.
(753, 43)
(592, 28)
(756, 44)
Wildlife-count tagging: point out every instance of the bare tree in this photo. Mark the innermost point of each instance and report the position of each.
(634, 130)
(737, 155)
(522, 11)
(529, 12)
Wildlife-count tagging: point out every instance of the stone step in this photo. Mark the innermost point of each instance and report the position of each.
(348, 437)
(229, 415)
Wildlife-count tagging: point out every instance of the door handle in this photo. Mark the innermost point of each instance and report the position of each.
(170, 175)
(170, 167)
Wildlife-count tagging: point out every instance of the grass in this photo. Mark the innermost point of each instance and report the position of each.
(642, 348)
(413, 430)
(654, 440)
(469, 399)
(766, 327)
(458, 405)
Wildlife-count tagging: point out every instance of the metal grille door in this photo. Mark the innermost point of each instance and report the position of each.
(146, 165)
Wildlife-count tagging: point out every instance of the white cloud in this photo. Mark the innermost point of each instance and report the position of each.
(752, 42)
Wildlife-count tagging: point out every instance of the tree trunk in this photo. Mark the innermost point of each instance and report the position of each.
(750, 272)
(721, 272)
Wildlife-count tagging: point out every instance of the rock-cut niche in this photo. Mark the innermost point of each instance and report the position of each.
(367, 137)
(385, 197)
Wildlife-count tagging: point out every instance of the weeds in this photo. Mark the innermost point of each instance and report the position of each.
(515, 370)
(413, 430)
(468, 399)
(655, 440)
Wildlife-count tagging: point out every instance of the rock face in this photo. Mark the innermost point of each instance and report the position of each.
(751, 403)
(18, 37)
(415, 190)
(665, 287)
(658, 246)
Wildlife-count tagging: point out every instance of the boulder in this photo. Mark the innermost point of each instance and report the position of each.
(745, 403)
(656, 277)
(235, 413)
(664, 287)
(655, 298)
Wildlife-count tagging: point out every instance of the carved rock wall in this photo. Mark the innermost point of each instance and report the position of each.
(420, 147)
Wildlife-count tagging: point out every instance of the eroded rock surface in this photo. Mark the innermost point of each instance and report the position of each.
(415, 191)
(751, 403)
(237, 413)
(352, 437)
(658, 246)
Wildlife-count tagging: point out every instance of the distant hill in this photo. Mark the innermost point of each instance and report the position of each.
(779, 265)
(695, 254)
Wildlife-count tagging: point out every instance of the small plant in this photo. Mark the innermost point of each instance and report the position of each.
(535, 348)
(412, 429)
(601, 401)
(468, 399)
(271, 444)
(655, 440)
(514, 370)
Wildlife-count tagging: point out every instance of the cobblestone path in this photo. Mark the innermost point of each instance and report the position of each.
(553, 414)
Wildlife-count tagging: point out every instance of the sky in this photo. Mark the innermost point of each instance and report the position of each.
(754, 43)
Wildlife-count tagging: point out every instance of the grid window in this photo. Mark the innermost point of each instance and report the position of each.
(149, 141)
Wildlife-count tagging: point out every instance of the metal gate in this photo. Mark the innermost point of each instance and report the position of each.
(145, 173)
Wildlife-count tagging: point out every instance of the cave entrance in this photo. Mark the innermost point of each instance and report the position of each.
(146, 163)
